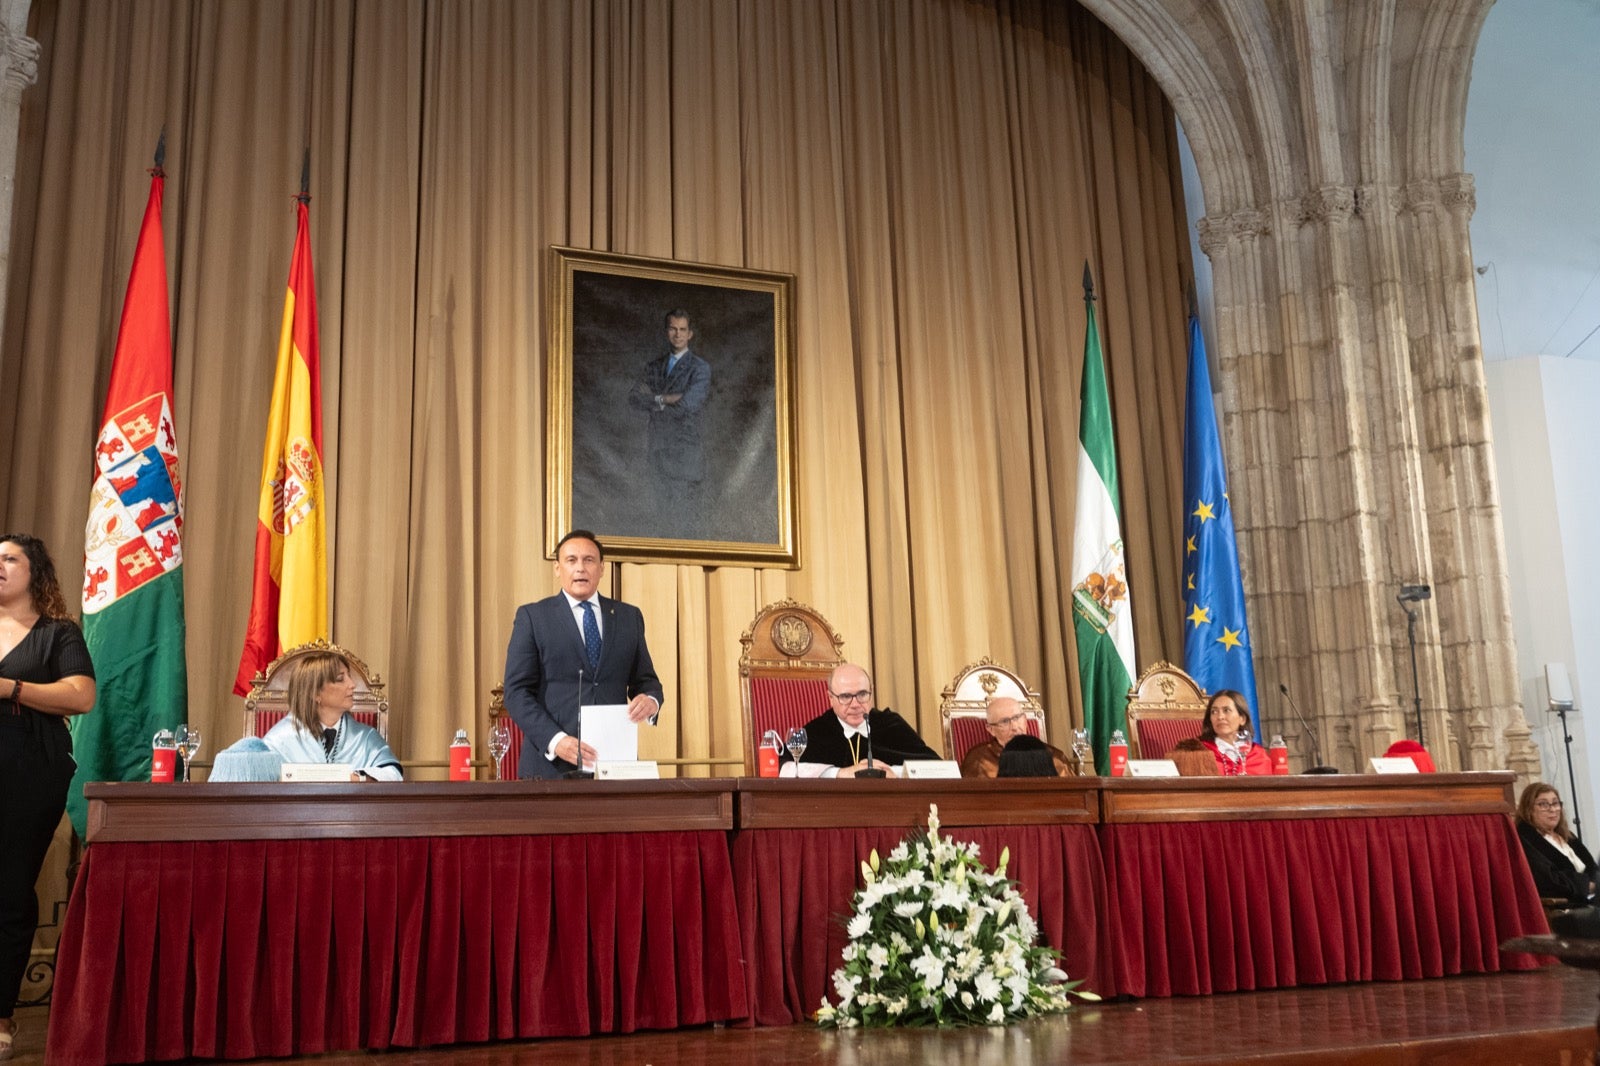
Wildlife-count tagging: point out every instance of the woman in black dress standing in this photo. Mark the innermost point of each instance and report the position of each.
(45, 675)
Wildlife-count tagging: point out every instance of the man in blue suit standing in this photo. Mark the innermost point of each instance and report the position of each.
(673, 391)
(576, 647)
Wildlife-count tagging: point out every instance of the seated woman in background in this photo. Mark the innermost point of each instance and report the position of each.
(1227, 716)
(1562, 867)
(318, 727)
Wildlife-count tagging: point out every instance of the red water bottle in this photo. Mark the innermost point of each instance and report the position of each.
(163, 757)
(767, 754)
(461, 757)
(1279, 751)
(1119, 754)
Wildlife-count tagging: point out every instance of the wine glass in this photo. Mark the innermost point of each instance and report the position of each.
(1080, 748)
(188, 741)
(796, 742)
(1242, 742)
(499, 744)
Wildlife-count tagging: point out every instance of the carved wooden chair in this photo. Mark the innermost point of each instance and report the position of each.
(268, 701)
(1164, 706)
(786, 655)
(497, 711)
(964, 702)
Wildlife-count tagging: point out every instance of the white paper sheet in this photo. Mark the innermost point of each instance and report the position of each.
(804, 769)
(607, 730)
(1394, 764)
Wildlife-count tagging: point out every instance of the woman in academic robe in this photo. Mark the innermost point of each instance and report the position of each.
(319, 726)
(1227, 718)
(1562, 867)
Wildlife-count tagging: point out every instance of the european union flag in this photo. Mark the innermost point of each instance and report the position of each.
(1216, 636)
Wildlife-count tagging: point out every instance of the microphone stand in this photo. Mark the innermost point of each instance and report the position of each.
(1316, 748)
(1416, 681)
(579, 773)
(870, 771)
(1561, 710)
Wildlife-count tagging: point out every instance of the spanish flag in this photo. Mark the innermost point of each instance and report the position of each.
(289, 602)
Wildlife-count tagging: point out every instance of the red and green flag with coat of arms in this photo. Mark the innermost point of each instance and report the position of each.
(133, 543)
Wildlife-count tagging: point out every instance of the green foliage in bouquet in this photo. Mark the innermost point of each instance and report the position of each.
(938, 939)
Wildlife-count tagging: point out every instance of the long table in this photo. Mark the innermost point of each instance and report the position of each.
(240, 921)
(235, 921)
(797, 862)
(1283, 881)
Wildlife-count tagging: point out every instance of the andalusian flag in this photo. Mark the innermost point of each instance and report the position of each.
(289, 603)
(1216, 634)
(133, 547)
(1101, 612)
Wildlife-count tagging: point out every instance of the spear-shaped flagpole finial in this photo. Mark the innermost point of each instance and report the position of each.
(1194, 302)
(1088, 282)
(305, 179)
(161, 150)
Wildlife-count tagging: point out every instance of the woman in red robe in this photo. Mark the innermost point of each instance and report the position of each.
(1226, 734)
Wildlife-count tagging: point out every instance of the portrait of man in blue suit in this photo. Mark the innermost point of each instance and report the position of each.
(674, 426)
(673, 392)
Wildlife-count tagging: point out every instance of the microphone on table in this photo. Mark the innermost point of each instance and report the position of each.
(870, 771)
(579, 773)
(1316, 749)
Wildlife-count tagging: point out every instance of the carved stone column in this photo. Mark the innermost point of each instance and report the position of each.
(19, 68)
(1328, 141)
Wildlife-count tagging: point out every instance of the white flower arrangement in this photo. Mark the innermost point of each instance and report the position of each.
(938, 939)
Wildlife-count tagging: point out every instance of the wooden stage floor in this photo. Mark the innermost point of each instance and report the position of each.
(1501, 1019)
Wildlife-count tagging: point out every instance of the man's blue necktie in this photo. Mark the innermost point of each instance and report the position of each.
(591, 636)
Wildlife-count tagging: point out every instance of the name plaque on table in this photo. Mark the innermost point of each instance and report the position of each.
(302, 772)
(627, 770)
(1393, 764)
(917, 769)
(1152, 768)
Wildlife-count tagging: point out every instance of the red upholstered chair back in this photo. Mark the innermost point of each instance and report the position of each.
(497, 711)
(963, 705)
(1157, 736)
(1164, 706)
(268, 700)
(786, 655)
(781, 703)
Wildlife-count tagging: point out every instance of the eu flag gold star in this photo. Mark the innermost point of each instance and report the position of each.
(1229, 638)
(1191, 582)
(1188, 546)
(1199, 615)
(1204, 512)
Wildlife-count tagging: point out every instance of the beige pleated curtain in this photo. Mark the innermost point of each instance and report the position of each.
(934, 172)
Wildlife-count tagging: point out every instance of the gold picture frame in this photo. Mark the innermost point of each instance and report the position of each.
(686, 460)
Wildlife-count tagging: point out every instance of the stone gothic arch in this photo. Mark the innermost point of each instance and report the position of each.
(1328, 138)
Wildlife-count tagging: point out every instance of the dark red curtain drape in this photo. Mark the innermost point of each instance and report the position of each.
(1222, 906)
(273, 948)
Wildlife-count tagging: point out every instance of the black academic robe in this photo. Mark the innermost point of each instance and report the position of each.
(893, 741)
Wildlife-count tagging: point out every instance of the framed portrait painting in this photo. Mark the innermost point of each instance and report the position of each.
(671, 410)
